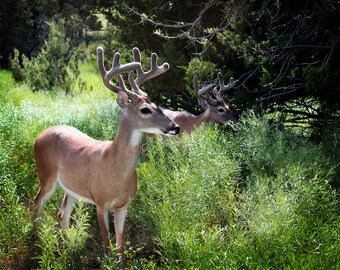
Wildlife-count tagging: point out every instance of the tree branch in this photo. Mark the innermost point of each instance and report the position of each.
(287, 90)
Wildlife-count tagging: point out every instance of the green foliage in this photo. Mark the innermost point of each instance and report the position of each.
(14, 226)
(204, 70)
(23, 116)
(317, 78)
(94, 23)
(15, 67)
(288, 190)
(280, 53)
(26, 18)
(110, 43)
(64, 249)
(257, 197)
(56, 65)
(189, 188)
(6, 84)
(239, 43)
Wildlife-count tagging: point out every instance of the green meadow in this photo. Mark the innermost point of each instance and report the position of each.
(255, 196)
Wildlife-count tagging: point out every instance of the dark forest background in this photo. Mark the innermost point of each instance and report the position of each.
(285, 54)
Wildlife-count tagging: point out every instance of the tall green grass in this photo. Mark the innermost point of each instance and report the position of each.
(255, 198)
(64, 249)
(7, 83)
(260, 199)
(23, 116)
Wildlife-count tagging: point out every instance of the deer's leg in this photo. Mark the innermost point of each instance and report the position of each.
(103, 220)
(119, 220)
(47, 188)
(65, 211)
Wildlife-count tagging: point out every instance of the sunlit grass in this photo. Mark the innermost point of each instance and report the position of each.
(257, 198)
(24, 115)
(89, 73)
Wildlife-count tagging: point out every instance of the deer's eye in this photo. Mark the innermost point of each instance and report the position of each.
(220, 110)
(145, 111)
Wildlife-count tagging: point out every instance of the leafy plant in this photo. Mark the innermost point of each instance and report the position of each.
(59, 249)
(15, 66)
(57, 63)
(259, 199)
(254, 196)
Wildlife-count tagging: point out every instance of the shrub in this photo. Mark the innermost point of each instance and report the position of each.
(64, 249)
(15, 66)
(57, 63)
(6, 84)
(187, 195)
(261, 199)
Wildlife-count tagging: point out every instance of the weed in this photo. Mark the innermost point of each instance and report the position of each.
(258, 199)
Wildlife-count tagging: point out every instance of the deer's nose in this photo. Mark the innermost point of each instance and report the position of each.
(172, 130)
(175, 128)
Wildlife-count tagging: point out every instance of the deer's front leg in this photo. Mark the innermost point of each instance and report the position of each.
(119, 220)
(103, 221)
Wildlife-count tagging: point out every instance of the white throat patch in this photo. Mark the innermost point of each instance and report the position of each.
(136, 137)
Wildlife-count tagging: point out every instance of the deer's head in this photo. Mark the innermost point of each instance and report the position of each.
(216, 107)
(135, 104)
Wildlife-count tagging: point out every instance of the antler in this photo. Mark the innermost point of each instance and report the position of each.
(116, 70)
(224, 88)
(154, 71)
(203, 92)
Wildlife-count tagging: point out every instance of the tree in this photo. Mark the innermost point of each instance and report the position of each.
(283, 52)
(22, 23)
(57, 63)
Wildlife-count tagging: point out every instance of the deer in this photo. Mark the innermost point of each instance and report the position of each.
(215, 109)
(102, 173)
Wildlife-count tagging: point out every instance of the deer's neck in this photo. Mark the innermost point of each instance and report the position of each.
(204, 117)
(126, 145)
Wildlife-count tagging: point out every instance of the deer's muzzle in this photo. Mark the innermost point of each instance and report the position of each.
(173, 130)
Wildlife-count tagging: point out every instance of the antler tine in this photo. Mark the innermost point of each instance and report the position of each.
(134, 86)
(224, 88)
(154, 71)
(203, 92)
(116, 69)
(133, 96)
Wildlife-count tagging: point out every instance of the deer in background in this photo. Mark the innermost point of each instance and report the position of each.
(102, 172)
(216, 110)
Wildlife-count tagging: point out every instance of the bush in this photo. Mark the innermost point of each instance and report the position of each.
(20, 123)
(64, 249)
(15, 66)
(57, 63)
(259, 199)
(7, 83)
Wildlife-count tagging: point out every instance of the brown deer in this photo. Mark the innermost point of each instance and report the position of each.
(102, 172)
(216, 110)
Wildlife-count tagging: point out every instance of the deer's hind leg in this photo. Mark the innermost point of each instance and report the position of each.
(65, 211)
(48, 185)
(45, 192)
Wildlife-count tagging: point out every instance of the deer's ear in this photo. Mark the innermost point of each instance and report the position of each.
(122, 99)
(203, 103)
